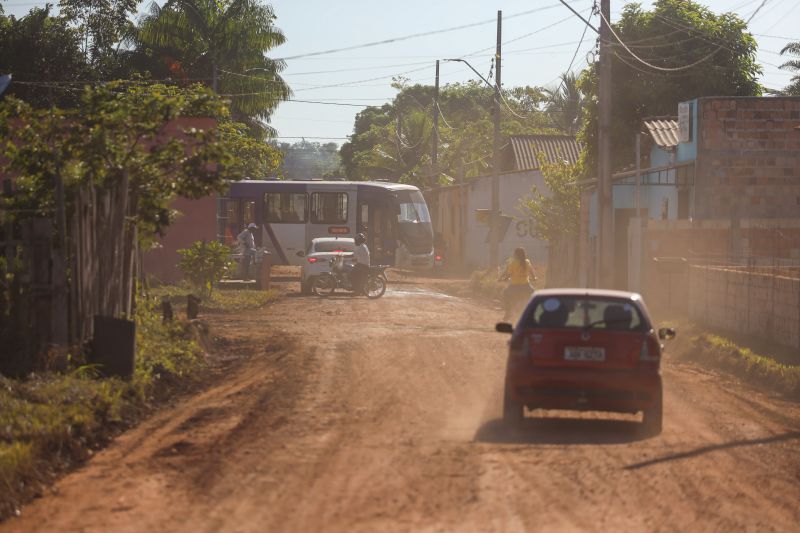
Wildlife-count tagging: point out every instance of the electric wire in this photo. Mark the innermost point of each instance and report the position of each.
(415, 35)
(656, 67)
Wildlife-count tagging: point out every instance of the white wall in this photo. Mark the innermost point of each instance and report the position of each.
(514, 186)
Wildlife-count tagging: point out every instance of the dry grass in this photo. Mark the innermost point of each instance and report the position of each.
(766, 370)
(52, 421)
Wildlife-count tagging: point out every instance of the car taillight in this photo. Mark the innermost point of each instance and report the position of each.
(650, 351)
(338, 251)
(438, 258)
(312, 259)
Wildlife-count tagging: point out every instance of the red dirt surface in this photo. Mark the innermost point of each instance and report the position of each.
(356, 415)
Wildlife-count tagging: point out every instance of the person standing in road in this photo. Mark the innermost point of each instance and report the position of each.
(519, 271)
(247, 247)
(358, 276)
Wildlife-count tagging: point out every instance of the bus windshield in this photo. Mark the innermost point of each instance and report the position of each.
(412, 207)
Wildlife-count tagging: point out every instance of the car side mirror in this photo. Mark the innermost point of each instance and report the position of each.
(666, 334)
(504, 327)
(301, 253)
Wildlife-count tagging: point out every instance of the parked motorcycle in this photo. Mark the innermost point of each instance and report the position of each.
(339, 278)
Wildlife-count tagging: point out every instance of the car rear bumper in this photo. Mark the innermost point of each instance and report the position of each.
(623, 391)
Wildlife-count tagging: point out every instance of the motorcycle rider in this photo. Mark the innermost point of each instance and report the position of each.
(358, 276)
(247, 247)
(519, 271)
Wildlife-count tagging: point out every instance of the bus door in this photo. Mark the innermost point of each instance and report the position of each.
(376, 222)
(233, 215)
(331, 210)
(284, 220)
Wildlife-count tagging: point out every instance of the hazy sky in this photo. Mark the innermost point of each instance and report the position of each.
(537, 47)
(538, 59)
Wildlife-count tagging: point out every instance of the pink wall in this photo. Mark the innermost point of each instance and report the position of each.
(198, 222)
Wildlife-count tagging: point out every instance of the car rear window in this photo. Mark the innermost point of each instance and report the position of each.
(333, 246)
(581, 311)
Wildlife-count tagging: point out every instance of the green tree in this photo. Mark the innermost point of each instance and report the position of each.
(115, 161)
(309, 160)
(793, 49)
(39, 49)
(103, 24)
(394, 141)
(716, 55)
(204, 263)
(224, 44)
(555, 210)
(565, 104)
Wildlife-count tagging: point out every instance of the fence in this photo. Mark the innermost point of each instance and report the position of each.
(755, 299)
(58, 276)
(26, 294)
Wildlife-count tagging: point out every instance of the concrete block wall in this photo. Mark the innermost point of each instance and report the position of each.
(746, 302)
(748, 160)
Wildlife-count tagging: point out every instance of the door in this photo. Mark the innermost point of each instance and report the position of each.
(284, 222)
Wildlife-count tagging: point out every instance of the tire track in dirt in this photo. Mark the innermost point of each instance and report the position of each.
(356, 415)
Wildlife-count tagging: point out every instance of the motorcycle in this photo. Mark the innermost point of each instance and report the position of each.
(339, 278)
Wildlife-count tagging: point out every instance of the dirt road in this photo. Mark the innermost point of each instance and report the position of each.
(354, 415)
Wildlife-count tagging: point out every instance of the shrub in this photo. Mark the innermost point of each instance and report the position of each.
(204, 263)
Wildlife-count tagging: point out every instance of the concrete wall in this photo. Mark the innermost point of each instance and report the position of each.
(454, 212)
(748, 162)
(746, 302)
(197, 221)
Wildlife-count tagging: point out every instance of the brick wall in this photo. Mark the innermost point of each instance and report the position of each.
(748, 162)
(746, 302)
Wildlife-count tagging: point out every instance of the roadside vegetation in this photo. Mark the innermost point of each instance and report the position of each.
(51, 421)
(756, 364)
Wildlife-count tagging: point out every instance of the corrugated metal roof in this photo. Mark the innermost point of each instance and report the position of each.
(664, 130)
(554, 147)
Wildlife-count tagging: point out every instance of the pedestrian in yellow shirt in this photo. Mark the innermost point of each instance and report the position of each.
(519, 271)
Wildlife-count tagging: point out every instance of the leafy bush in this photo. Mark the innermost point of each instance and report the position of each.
(49, 421)
(204, 263)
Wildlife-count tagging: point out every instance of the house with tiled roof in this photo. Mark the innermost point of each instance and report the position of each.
(461, 212)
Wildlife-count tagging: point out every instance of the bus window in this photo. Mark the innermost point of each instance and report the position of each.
(412, 207)
(329, 208)
(249, 208)
(285, 207)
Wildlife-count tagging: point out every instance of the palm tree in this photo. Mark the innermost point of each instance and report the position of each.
(565, 104)
(793, 89)
(223, 43)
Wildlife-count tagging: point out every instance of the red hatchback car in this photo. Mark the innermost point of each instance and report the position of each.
(588, 350)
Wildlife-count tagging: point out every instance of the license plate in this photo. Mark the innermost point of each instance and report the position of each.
(584, 353)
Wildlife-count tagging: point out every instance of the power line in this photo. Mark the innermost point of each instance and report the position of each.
(762, 4)
(656, 67)
(415, 35)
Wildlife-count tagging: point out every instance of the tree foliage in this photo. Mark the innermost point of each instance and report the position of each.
(121, 132)
(394, 141)
(555, 210)
(224, 44)
(42, 49)
(103, 24)
(204, 264)
(309, 160)
(565, 104)
(793, 65)
(676, 33)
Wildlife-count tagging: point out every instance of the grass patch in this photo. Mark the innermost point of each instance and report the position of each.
(49, 422)
(761, 370)
(220, 300)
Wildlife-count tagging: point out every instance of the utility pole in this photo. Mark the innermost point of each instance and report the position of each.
(495, 213)
(605, 240)
(435, 147)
